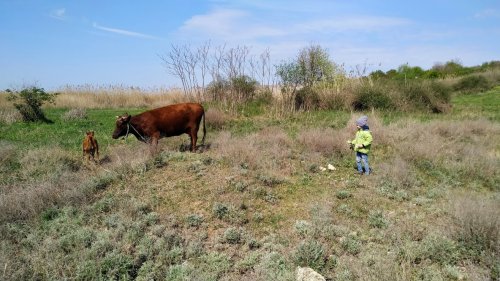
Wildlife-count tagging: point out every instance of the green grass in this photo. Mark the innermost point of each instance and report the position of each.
(65, 134)
(486, 104)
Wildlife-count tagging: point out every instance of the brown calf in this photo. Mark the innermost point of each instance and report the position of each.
(90, 146)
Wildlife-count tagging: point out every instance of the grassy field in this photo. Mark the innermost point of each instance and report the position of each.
(253, 204)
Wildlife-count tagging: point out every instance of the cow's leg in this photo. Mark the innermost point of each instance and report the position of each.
(194, 138)
(154, 143)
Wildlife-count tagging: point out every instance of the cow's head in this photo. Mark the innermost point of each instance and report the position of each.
(121, 125)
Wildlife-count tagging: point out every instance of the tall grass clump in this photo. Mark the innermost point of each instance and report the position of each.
(477, 224)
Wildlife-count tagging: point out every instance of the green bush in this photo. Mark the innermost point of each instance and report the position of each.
(376, 219)
(232, 236)
(375, 96)
(472, 83)
(431, 96)
(220, 210)
(307, 99)
(343, 194)
(29, 103)
(194, 220)
(310, 253)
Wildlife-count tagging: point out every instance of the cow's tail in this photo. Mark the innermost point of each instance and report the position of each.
(204, 129)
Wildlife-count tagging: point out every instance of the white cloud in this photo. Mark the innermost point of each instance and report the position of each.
(367, 23)
(124, 32)
(228, 25)
(59, 14)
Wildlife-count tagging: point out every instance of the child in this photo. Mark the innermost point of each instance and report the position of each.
(361, 144)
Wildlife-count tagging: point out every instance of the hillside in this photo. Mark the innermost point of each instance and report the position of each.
(254, 203)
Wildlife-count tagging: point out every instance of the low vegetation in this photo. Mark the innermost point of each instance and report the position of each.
(257, 201)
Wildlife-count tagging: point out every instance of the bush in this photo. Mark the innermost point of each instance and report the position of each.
(367, 97)
(307, 99)
(310, 253)
(29, 103)
(232, 236)
(432, 96)
(194, 220)
(472, 83)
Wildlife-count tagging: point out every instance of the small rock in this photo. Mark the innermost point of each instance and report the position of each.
(308, 274)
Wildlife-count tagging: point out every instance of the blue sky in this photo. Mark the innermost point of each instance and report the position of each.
(55, 43)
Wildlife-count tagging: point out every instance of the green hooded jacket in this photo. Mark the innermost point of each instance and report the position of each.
(363, 137)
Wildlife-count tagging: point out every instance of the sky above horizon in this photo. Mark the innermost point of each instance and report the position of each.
(56, 43)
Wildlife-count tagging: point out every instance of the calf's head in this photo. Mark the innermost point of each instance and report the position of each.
(121, 125)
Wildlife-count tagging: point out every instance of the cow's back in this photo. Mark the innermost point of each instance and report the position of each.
(171, 120)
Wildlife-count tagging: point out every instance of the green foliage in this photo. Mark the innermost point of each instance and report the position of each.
(374, 96)
(239, 89)
(377, 219)
(194, 220)
(310, 253)
(472, 84)
(29, 102)
(343, 194)
(220, 210)
(315, 65)
(351, 244)
(307, 98)
(232, 236)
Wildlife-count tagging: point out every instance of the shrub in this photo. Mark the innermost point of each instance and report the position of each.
(343, 194)
(232, 236)
(367, 97)
(376, 219)
(472, 83)
(307, 99)
(478, 224)
(303, 228)
(351, 245)
(220, 210)
(194, 220)
(29, 102)
(211, 266)
(310, 253)
(75, 114)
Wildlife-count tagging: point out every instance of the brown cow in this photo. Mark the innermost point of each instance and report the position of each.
(172, 120)
(90, 146)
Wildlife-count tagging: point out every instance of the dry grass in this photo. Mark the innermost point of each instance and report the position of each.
(477, 223)
(267, 150)
(216, 118)
(9, 116)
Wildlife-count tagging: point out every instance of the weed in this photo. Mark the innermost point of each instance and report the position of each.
(377, 219)
(310, 253)
(343, 194)
(194, 220)
(351, 244)
(248, 262)
(478, 224)
(220, 210)
(232, 236)
(303, 228)
(75, 114)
